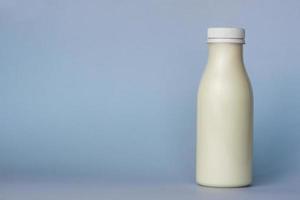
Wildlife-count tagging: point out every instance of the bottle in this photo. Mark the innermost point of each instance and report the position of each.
(224, 113)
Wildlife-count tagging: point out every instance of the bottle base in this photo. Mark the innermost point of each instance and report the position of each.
(215, 185)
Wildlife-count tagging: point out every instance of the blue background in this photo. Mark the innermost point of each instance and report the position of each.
(107, 89)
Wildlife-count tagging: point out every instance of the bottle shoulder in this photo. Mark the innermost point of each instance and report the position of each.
(225, 81)
(227, 73)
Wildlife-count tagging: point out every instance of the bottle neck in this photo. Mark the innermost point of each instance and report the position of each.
(225, 54)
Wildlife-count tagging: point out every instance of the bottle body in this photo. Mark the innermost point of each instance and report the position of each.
(224, 119)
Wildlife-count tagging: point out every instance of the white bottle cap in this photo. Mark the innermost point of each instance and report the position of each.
(227, 35)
